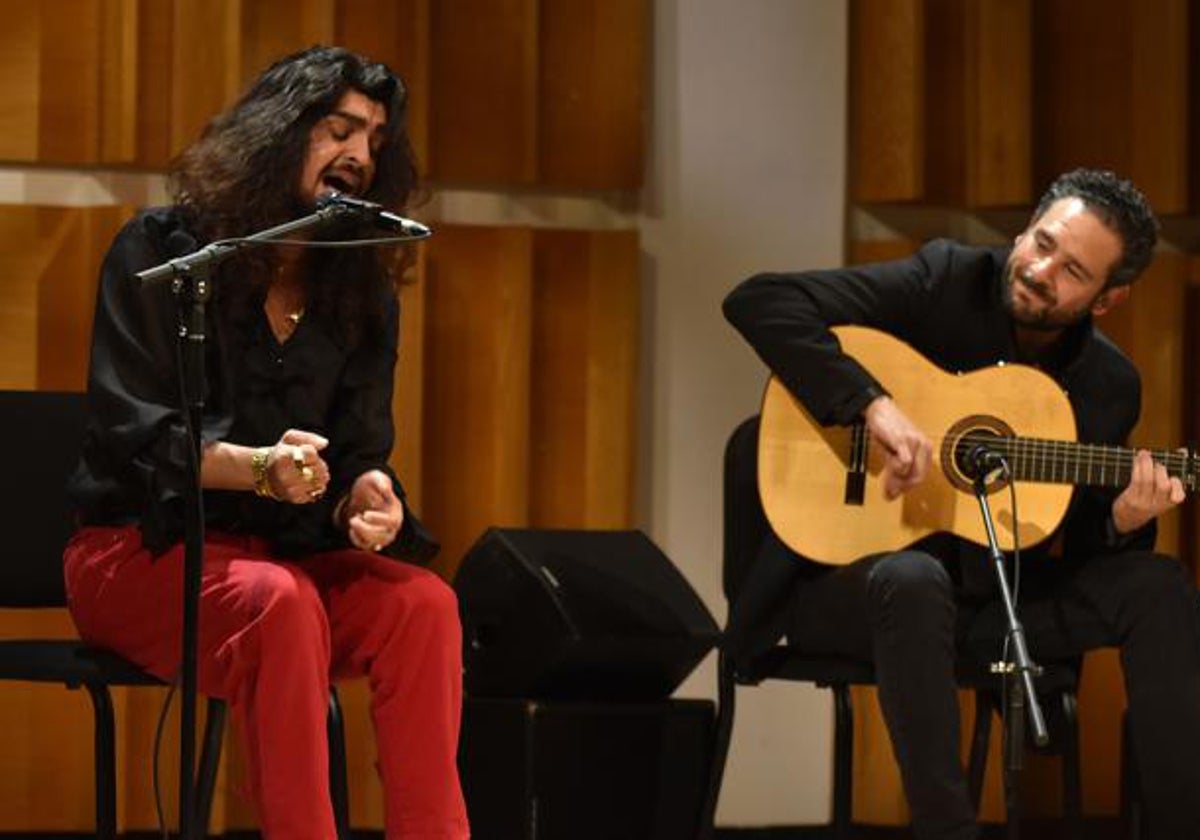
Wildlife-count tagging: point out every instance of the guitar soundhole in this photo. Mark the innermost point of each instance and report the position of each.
(962, 438)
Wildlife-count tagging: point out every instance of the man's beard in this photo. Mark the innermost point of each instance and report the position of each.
(1047, 319)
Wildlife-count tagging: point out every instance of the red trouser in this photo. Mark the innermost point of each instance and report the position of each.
(272, 636)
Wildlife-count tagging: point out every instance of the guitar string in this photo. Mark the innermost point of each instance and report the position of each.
(1066, 446)
(1068, 454)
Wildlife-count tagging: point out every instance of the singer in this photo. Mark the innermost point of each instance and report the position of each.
(313, 561)
(908, 612)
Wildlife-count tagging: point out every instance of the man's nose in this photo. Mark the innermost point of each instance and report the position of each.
(358, 147)
(1041, 272)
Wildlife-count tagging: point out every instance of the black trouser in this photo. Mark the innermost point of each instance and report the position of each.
(904, 612)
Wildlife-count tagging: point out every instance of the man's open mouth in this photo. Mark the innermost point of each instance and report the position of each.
(342, 182)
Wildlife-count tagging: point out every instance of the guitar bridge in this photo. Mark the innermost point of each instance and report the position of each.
(856, 474)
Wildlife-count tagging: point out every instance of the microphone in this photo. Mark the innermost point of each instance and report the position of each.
(374, 213)
(981, 461)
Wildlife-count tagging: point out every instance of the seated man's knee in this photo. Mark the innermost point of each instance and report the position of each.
(1156, 579)
(912, 581)
(910, 571)
(286, 601)
(426, 599)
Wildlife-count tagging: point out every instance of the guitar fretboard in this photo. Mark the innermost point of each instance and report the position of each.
(1067, 462)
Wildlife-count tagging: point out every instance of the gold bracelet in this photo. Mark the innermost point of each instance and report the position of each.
(258, 468)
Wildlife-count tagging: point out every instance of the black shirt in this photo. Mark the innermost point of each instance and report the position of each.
(133, 467)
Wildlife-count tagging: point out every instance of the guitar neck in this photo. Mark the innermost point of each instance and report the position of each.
(1066, 462)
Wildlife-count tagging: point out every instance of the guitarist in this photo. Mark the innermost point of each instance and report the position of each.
(910, 611)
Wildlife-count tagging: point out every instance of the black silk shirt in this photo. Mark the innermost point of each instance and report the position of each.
(946, 302)
(133, 467)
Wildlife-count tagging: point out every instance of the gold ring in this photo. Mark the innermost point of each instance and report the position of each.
(307, 472)
(298, 457)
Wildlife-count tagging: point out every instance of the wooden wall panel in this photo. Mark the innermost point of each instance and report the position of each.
(67, 296)
(477, 379)
(483, 126)
(879, 250)
(1112, 92)
(887, 100)
(1158, 111)
(155, 66)
(514, 92)
(206, 68)
(978, 117)
(999, 129)
(118, 81)
(50, 71)
(25, 249)
(69, 102)
(1101, 703)
(590, 93)
(19, 89)
(396, 32)
(1077, 55)
(950, 74)
(366, 791)
(49, 262)
(44, 773)
(877, 795)
(585, 358)
(271, 29)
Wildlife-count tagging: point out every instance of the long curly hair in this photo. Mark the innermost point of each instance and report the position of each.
(242, 175)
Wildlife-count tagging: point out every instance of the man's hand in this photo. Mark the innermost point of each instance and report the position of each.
(296, 471)
(1150, 492)
(373, 514)
(908, 451)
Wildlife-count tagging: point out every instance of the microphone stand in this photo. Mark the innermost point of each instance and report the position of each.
(1018, 673)
(191, 284)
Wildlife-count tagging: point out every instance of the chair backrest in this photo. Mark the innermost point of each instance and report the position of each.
(43, 433)
(745, 523)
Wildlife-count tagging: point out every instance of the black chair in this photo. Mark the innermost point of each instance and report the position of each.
(44, 431)
(745, 527)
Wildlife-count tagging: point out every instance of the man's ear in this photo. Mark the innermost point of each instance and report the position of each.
(1109, 298)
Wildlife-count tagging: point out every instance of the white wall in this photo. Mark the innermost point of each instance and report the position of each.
(746, 173)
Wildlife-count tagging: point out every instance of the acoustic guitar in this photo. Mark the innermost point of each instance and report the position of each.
(822, 487)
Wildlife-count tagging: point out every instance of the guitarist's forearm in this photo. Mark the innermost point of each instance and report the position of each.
(780, 319)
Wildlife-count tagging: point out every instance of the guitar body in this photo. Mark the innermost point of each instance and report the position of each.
(805, 470)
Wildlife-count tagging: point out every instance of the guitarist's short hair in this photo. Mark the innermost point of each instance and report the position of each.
(1121, 206)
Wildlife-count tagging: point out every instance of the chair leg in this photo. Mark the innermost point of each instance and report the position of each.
(338, 790)
(105, 758)
(726, 697)
(981, 735)
(210, 760)
(843, 759)
(1072, 786)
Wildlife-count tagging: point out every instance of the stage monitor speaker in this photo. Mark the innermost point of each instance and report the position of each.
(542, 770)
(577, 615)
